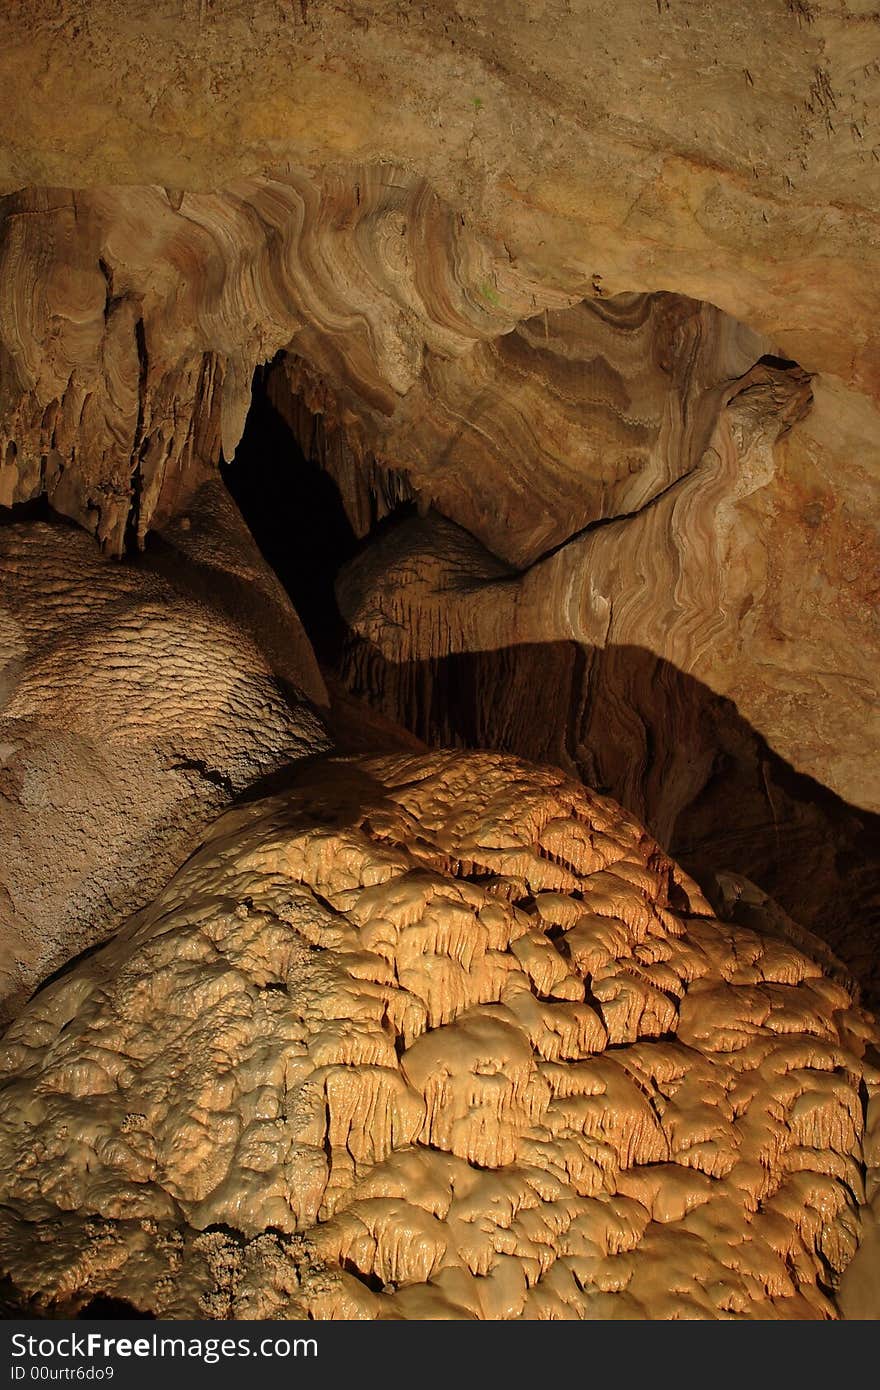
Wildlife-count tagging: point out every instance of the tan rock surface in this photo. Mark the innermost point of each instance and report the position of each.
(134, 704)
(728, 154)
(451, 368)
(438, 1035)
(136, 321)
(703, 562)
(435, 1036)
(576, 415)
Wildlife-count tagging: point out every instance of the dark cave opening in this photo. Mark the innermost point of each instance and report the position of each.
(37, 509)
(108, 1308)
(295, 513)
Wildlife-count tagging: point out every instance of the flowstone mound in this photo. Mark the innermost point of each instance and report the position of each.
(435, 1036)
(135, 704)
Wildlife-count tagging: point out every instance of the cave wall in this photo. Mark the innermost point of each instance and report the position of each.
(130, 329)
(635, 471)
(452, 288)
(444, 1036)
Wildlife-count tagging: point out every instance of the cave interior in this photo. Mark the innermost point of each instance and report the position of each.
(438, 663)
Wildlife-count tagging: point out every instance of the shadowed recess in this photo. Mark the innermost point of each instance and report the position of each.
(295, 514)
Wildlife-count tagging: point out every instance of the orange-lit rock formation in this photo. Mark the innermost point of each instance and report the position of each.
(442, 1036)
(662, 574)
(527, 406)
(135, 321)
(459, 358)
(728, 154)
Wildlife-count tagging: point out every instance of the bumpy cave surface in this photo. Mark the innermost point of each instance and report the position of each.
(439, 459)
(135, 705)
(443, 1036)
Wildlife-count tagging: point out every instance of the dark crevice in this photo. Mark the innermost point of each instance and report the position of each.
(37, 509)
(369, 1280)
(106, 1307)
(132, 526)
(208, 774)
(70, 965)
(111, 300)
(675, 485)
(295, 513)
(222, 1228)
(779, 364)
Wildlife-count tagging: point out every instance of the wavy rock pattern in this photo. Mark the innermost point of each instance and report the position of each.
(134, 704)
(468, 1042)
(131, 324)
(608, 655)
(729, 154)
(436, 1036)
(690, 573)
(756, 573)
(652, 577)
(448, 371)
(607, 403)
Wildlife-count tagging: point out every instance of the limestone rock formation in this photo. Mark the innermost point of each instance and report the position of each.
(525, 404)
(659, 574)
(136, 322)
(682, 601)
(608, 403)
(727, 153)
(136, 701)
(681, 567)
(576, 305)
(443, 1036)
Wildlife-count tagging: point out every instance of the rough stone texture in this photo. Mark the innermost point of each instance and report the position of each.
(729, 154)
(134, 704)
(608, 403)
(671, 571)
(646, 651)
(135, 322)
(422, 265)
(441, 1036)
(488, 253)
(702, 561)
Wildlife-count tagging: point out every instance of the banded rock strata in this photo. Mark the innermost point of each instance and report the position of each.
(689, 565)
(446, 370)
(134, 321)
(574, 416)
(661, 576)
(728, 154)
(444, 1036)
(619, 654)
